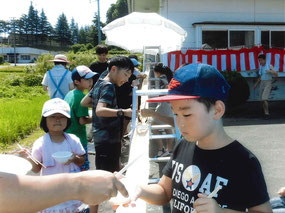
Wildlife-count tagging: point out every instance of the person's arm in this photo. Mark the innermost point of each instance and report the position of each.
(103, 111)
(257, 82)
(272, 71)
(209, 205)
(86, 101)
(157, 194)
(163, 118)
(25, 194)
(85, 120)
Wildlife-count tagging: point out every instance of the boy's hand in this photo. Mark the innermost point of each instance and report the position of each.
(205, 204)
(128, 112)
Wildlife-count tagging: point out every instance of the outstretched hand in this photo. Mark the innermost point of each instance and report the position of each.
(98, 186)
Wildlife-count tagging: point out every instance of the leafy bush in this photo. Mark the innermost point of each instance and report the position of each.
(89, 46)
(239, 92)
(33, 80)
(43, 64)
(85, 58)
(76, 47)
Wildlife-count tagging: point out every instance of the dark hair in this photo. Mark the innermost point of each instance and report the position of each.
(44, 127)
(160, 68)
(134, 56)
(100, 49)
(75, 75)
(208, 102)
(262, 56)
(122, 62)
(60, 63)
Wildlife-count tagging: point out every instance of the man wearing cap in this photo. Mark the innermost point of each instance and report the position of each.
(57, 81)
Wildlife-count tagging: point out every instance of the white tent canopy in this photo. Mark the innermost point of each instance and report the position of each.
(136, 30)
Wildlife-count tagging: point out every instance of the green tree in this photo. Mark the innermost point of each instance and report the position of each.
(117, 10)
(62, 30)
(93, 32)
(74, 31)
(44, 26)
(83, 35)
(33, 22)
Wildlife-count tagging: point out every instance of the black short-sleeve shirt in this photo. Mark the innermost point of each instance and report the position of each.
(105, 129)
(233, 167)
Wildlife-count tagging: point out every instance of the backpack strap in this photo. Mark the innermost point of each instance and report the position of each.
(57, 87)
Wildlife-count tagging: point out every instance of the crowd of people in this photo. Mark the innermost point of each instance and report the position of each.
(202, 161)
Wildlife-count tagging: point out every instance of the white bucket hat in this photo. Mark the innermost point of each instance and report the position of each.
(56, 105)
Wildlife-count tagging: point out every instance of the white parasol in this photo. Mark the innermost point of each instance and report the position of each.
(136, 30)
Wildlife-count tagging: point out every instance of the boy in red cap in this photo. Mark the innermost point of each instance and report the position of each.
(206, 158)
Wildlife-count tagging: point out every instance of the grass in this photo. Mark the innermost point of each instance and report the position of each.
(19, 117)
(26, 142)
(12, 69)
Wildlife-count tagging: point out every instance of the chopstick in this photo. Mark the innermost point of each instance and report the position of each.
(31, 157)
(212, 194)
(128, 166)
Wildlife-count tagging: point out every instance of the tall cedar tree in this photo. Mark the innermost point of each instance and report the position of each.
(62, 30)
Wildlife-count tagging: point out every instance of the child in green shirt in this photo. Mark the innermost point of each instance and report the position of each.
(82, 77)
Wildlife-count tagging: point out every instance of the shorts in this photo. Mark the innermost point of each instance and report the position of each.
(85, 166)
(265, 89)
(108, 157)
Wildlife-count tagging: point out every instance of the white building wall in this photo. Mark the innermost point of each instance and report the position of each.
(187, 12)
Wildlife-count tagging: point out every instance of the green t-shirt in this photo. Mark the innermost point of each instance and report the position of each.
(73, 98)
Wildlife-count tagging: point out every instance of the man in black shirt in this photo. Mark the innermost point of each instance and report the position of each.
(101, 64)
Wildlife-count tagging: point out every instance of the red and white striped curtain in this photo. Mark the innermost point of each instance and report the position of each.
(230, 60)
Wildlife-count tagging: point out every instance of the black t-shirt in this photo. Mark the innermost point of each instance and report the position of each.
(235, 168)
(98, 67)
(123, 93)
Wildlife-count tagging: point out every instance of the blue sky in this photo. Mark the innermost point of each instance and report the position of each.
(82, 11)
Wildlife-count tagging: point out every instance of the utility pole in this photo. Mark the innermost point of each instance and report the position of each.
(14, 33)
(98, 21)
(99, 25)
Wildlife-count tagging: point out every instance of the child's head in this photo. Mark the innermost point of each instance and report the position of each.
(60, 60)
(55, 116)
(197, 94)
(160, 69)
(101, 52)
(82, 77)
(262, 59)
(120, 69)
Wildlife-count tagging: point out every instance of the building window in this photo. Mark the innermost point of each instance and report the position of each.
(25, 57)
(215, 39)
(239, 39)
(265, 38)
(277, 39)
